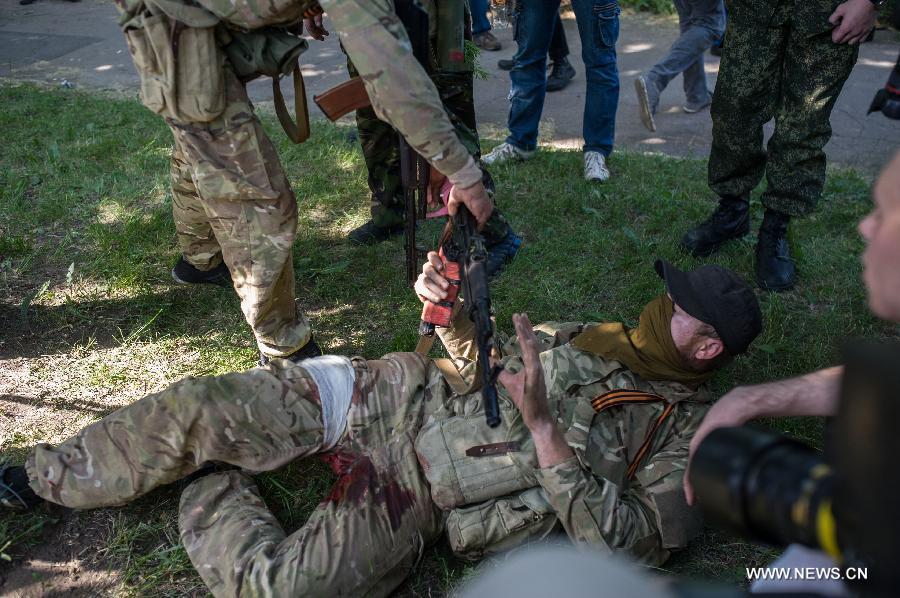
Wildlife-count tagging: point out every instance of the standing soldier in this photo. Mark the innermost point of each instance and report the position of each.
(234, 210)
(788, 61)
(381, 148)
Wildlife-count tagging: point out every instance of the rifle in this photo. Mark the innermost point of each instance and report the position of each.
(464, 255)
(414, 169)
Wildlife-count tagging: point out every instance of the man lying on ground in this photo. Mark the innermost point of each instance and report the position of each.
(594, 441)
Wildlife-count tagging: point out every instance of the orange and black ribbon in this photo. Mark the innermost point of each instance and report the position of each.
(623, 396)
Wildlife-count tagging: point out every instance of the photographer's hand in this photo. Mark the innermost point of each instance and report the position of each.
(813, 394)
(852, 20)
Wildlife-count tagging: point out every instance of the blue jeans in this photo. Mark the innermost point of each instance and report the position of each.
(702, 22)
(480, 22)
(598, 26)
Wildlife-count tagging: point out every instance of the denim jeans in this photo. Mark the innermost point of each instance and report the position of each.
(598, 26)
(480, 22)
(702, 22)
(559, 47)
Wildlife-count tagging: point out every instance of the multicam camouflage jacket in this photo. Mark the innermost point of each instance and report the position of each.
(373, 37)
(621, 492)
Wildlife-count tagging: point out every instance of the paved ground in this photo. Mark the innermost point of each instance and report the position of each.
(56, 42)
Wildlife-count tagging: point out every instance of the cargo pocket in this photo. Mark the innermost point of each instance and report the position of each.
(227, 164)
(181, 69)
(500, 524)
(200, 81)
(151, 68)
(606, 25)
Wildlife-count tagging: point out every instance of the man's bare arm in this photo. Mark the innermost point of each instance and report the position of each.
(813, 394)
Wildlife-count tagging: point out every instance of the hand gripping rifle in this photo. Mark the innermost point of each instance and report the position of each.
(464, 256)
(414, 170)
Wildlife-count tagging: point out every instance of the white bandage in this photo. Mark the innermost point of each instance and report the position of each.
(334, 376)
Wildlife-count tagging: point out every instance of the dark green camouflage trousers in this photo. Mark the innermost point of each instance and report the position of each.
(785, 67)
(231, 201)
(381, 149)
(363, 539)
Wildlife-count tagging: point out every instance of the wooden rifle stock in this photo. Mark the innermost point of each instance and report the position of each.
(345, 98)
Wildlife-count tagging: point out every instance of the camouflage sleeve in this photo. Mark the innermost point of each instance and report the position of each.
(596, 512)
(399, 88)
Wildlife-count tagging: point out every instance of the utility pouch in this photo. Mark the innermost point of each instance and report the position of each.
(466, 462)
(273, 53)
(181, 69)
(501, 524)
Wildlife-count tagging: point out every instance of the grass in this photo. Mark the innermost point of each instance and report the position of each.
(93, 322)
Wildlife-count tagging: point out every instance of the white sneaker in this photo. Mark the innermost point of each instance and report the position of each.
(595, 167)
(506, 152)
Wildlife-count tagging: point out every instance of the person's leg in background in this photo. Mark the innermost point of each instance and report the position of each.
(701, 23)
(481, 27)
(534, 29)
(598, 26)
(561, 70)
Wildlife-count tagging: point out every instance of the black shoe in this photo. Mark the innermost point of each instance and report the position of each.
(184, 273)
(502, 252)
(310, 349)
(506, 64)
(15, 493)
(775, 269)
(560, 75)
(731, 220)
(370, 234)
(716, 50)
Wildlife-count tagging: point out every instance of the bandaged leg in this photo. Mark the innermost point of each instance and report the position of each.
(257, 420)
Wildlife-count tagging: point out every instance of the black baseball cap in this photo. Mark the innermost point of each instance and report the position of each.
(719, 297)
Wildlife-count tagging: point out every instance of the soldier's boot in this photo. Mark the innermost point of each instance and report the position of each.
(15, 493)
(371, 234)
(560, 74)
(775, 269)
(184, 273)
(731, 220)
(310, 349)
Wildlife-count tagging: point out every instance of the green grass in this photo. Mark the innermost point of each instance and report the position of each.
(92, 321)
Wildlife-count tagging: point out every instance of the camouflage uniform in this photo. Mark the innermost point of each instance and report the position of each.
(405, 432)
(379, 142)
(778, 62)
(231, 200)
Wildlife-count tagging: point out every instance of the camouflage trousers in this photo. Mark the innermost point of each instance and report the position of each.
(784, 70)
(231, 201)
(365, 536)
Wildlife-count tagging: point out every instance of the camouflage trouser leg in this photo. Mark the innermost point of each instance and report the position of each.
(367, 534)
(815, 70)
(259, 420)
(252, 212)
(363, 538)
(782, 73)
(196, 239)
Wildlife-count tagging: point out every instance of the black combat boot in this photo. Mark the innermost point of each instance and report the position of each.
(775, 270)
(15, 493)
(731, 220)
(371, 234)
(560, 74)
(310, 349)
(184, 273)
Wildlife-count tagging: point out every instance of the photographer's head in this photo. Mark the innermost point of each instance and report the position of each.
(881, 231)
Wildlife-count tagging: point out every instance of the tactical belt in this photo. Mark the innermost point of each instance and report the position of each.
(622, 396)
